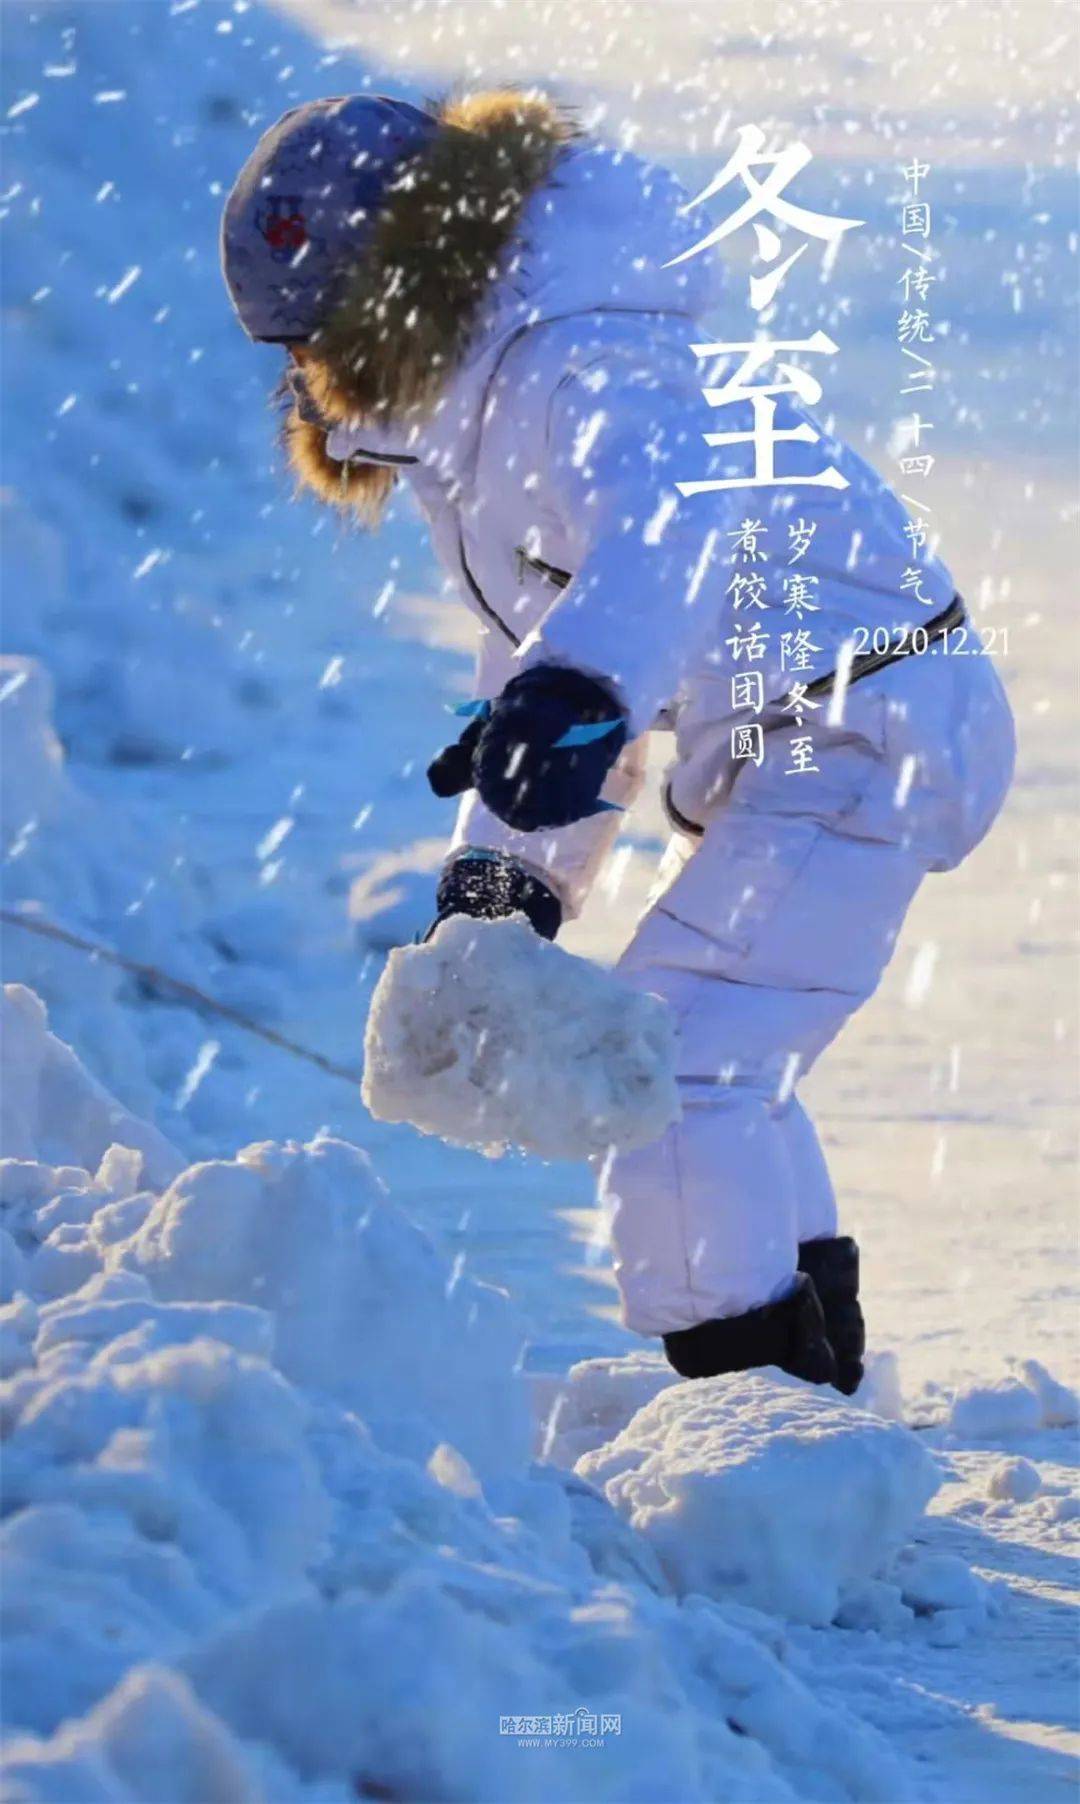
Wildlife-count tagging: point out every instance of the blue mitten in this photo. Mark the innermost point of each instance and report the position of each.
(546, 748)
(450, 771)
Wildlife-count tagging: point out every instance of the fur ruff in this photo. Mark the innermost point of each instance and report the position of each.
(362, 490)
(408, 307)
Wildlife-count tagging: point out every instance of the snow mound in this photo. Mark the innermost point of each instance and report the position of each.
(267, 1498)
(757, 1488)
(940, 1584)
(362, 1306)
(364, 1309)
(489, 1036)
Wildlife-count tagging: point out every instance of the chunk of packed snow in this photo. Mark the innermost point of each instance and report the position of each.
(1063, 1509)
(755, 1487)
(1014, 1481)
(951, 1628)
(490, 1036)
(931, 1581)
(878, 1606)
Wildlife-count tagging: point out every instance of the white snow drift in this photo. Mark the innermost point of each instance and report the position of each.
(364, 1309)
(490, 1036)
(268, 1499)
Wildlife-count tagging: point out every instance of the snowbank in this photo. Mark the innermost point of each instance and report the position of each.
(268, 1499)
(365, 1310)
(490, 1036)
(757, 1488)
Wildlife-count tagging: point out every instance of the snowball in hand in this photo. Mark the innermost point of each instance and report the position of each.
(490, 1036)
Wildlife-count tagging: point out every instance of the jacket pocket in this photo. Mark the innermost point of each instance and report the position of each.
(757, 843)
(729, 889)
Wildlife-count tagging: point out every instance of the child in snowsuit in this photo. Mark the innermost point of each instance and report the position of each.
(491, 306)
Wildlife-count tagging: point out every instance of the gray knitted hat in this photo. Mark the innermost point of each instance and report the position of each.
(303, 207)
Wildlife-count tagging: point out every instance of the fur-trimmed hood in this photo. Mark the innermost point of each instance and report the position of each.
(510, 215)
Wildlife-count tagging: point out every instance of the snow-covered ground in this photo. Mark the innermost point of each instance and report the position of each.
(273, 1525)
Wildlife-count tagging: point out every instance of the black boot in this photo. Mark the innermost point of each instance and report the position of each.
(833, 1266)
(789, 1334)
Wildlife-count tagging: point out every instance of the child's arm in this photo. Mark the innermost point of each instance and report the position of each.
(620, 434)
(566, 859)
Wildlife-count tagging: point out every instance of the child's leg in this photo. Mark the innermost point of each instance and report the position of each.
(769, 937)
(704, 1221)
(815, 1198)
(764, 939)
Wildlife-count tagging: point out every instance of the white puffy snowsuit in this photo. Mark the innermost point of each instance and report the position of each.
(547, 476)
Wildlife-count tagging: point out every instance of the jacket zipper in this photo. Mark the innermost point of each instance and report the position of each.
(360, 455)
(479, 597)
(550, 572)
